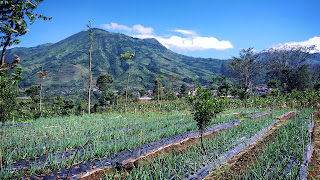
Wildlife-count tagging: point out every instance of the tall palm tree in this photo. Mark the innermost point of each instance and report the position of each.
(127, 56)
(90, 64)
(42, 75)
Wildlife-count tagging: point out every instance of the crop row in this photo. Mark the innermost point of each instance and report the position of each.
(123, 140)
(179, 165)
(281, 158)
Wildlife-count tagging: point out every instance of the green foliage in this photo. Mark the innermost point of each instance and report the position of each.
(273, 83)
(13, 20)
(104, 81)
(184, 89)
(204, 107)
(316, 86)
(33, 92)
(245, 67)
(288, 65)
(142, 92)
(66, 62)
(8, 93)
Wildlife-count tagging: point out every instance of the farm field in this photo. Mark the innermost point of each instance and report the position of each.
(49, 138)
(131, 144)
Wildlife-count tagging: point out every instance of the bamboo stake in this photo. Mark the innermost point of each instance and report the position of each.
(47, 148)
(140, 143)
(0, 151)
(302, 138)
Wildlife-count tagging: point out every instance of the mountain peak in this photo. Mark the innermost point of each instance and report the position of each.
(67, 62)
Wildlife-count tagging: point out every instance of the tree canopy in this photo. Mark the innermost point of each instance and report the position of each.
(287, 64)
(13, 21)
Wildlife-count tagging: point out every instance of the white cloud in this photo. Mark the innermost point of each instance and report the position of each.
(115, 26)
(312, 41)
(191, 42)
(186, 32)
(134, 29)
(194, 43)
(142, 30)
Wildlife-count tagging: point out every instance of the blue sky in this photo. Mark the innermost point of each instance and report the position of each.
(208, 28)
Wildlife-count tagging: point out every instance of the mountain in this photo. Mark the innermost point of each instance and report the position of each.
(67, 62)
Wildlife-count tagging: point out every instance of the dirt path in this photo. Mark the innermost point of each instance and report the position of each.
(238, 163)
(314, 166)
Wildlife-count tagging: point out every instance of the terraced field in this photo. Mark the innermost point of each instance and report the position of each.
(244, 143)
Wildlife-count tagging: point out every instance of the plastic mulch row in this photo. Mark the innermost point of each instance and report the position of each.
(121, 158)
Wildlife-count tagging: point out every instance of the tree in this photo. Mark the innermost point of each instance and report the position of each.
(90, 64)
(42, 75)
(287, 64)
(142, 92)
(273, 83)
(225, 88)
(204, 108)
(8, 93)
(127, 56)
(157, 90)
(34, 91)
(175, 80)
(245, 68)
(184, 89)
(104, 81)
(13, 21)
(316, 86)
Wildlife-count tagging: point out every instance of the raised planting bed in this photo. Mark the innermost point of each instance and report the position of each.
(16, 125)
(277, 156)
(190, 162)
(87, 151)
(287, 115)
(313, 170)
(23, 143)
(260, 115)
(126, 159)
(97, 148)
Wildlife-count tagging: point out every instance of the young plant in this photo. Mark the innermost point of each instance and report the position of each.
(204, 108)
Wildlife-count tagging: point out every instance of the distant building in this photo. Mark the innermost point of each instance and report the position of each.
(262, 90)
(145, 98)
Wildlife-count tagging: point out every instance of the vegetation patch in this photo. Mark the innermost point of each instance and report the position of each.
(247, 157)
(314, 166)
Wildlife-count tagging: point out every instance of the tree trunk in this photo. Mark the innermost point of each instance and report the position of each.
(90, 83)
(158, 91)
(204, 149)
(40, 92)
(6, 44)
(125, 104)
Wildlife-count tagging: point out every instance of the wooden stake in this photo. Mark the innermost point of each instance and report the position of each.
(0, 151)
(47, 148)
(140, 143)
(302, 138)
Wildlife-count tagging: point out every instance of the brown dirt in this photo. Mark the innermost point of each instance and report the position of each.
(314, 166)
(179, 147)
(247, 157)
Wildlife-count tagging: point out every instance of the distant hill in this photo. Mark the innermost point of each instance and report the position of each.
(67, 62)
(315, 59)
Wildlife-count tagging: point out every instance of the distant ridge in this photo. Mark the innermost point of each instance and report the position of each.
(67, 62)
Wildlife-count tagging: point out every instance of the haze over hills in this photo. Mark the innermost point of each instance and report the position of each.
(67, 62)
